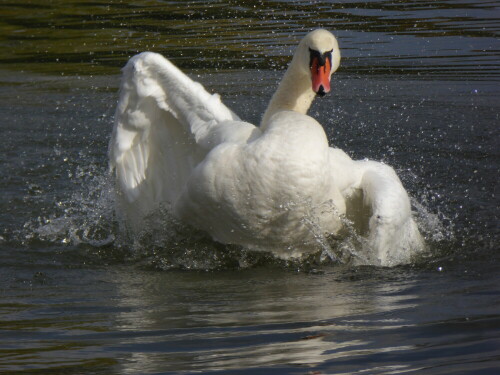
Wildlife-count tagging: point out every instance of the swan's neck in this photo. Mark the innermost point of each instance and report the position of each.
(294, 94)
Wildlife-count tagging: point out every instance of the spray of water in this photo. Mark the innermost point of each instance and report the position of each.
(87, 218)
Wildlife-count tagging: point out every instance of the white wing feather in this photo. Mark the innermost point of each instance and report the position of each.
(392, 231)
(379, 207)
(165, 124)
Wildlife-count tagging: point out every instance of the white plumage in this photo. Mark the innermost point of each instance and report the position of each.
(278, 187)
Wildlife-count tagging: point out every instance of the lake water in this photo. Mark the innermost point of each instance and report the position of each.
(418, 88)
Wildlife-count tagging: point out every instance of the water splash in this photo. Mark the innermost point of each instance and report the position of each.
(429, 210)
(87, 218)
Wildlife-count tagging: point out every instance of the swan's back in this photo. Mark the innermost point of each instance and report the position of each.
(262, 193)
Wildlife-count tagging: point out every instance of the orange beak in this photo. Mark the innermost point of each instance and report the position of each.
(320, 76)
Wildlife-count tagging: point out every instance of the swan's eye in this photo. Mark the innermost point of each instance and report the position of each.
(320, 59)
(328, 55)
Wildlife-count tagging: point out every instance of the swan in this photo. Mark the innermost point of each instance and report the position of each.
(276, 187)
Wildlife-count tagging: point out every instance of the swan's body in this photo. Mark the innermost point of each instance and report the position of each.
(277, 187)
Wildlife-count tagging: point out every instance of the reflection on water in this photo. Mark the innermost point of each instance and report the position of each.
(411, 37)
(331, 321)
(250, 319)
(264, 318)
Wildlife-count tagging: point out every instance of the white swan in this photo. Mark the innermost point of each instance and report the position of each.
(277, 187)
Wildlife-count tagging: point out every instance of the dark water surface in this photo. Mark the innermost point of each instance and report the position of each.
(418, 88)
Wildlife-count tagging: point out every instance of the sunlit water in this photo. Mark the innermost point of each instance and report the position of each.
(418, 89)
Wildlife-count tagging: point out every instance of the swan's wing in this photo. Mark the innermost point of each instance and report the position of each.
(165, 124)
(379, 207)
(392, 231)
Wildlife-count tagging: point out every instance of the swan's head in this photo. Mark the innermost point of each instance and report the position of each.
(319, 57)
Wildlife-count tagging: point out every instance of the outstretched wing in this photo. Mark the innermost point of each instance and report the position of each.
(165, 124)
(379, 207)
(393, 232)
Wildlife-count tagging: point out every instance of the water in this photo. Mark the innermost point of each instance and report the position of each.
(418, 88)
